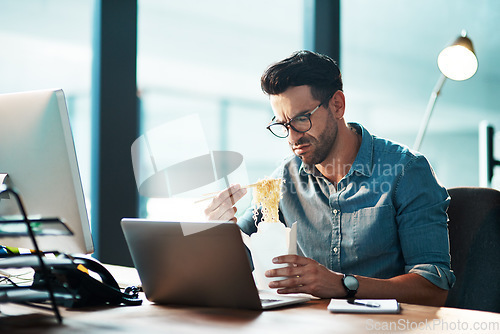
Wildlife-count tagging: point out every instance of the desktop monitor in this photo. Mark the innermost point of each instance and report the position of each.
(38, 155)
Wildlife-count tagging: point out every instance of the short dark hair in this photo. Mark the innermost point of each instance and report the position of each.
(318, 71)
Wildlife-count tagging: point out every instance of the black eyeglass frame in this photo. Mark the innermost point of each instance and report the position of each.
(289, 125)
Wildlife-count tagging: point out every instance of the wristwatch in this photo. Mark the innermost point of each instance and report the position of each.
(351, 285)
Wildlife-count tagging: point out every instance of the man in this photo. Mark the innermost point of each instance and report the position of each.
(371, 215)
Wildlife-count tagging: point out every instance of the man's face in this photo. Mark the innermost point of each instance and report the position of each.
(314, 145)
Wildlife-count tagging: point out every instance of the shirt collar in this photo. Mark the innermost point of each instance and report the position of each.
(363, 164)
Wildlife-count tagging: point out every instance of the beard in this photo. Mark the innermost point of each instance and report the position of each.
(319, 147)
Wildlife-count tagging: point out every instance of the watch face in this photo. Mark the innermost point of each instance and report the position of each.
(351, 282)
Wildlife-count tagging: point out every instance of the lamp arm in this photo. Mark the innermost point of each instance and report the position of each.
(428, 112)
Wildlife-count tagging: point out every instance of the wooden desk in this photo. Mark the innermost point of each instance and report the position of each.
(311, 317)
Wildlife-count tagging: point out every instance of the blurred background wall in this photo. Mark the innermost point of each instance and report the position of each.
(206, 57)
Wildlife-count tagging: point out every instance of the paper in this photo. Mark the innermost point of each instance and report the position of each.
(364, 306)
(4, 180)
(271, 240)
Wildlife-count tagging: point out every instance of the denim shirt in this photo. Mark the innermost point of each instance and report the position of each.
(386, 217)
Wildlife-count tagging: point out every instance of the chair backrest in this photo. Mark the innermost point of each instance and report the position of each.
(474, 227)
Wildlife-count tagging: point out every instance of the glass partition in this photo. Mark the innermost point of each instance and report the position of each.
(205, 58)
(48, 44)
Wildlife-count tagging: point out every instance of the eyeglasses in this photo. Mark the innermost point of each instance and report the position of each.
(301, 124)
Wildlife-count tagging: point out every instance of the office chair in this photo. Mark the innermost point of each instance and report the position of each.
(474, 227)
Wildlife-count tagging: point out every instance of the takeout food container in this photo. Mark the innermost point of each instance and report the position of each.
(271, 239)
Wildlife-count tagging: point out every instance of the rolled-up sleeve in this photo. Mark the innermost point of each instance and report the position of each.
(439, 276)
(423, 223)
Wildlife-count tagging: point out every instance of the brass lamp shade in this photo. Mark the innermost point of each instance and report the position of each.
(458, 61)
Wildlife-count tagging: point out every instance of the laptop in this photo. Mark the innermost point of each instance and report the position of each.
(198, 264)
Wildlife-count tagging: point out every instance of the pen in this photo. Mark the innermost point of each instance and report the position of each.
(367, 304)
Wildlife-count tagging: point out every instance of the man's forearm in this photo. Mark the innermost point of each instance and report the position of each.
(408, 288)
(305, 275)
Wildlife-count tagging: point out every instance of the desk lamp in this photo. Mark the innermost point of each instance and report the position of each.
(457, 62)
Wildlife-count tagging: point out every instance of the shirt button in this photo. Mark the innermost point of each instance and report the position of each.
(335, 211)
(335, 250)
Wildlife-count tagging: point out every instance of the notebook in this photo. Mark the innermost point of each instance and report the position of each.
(364, 306)
(196, 263)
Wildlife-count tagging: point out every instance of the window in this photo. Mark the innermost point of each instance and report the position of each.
(389, 64)
(48, 44)
(205, 58)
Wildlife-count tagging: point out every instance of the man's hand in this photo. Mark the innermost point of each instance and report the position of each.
(222, 206)
(305, 275)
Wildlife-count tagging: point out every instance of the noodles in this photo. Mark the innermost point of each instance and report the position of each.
(267, 194)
